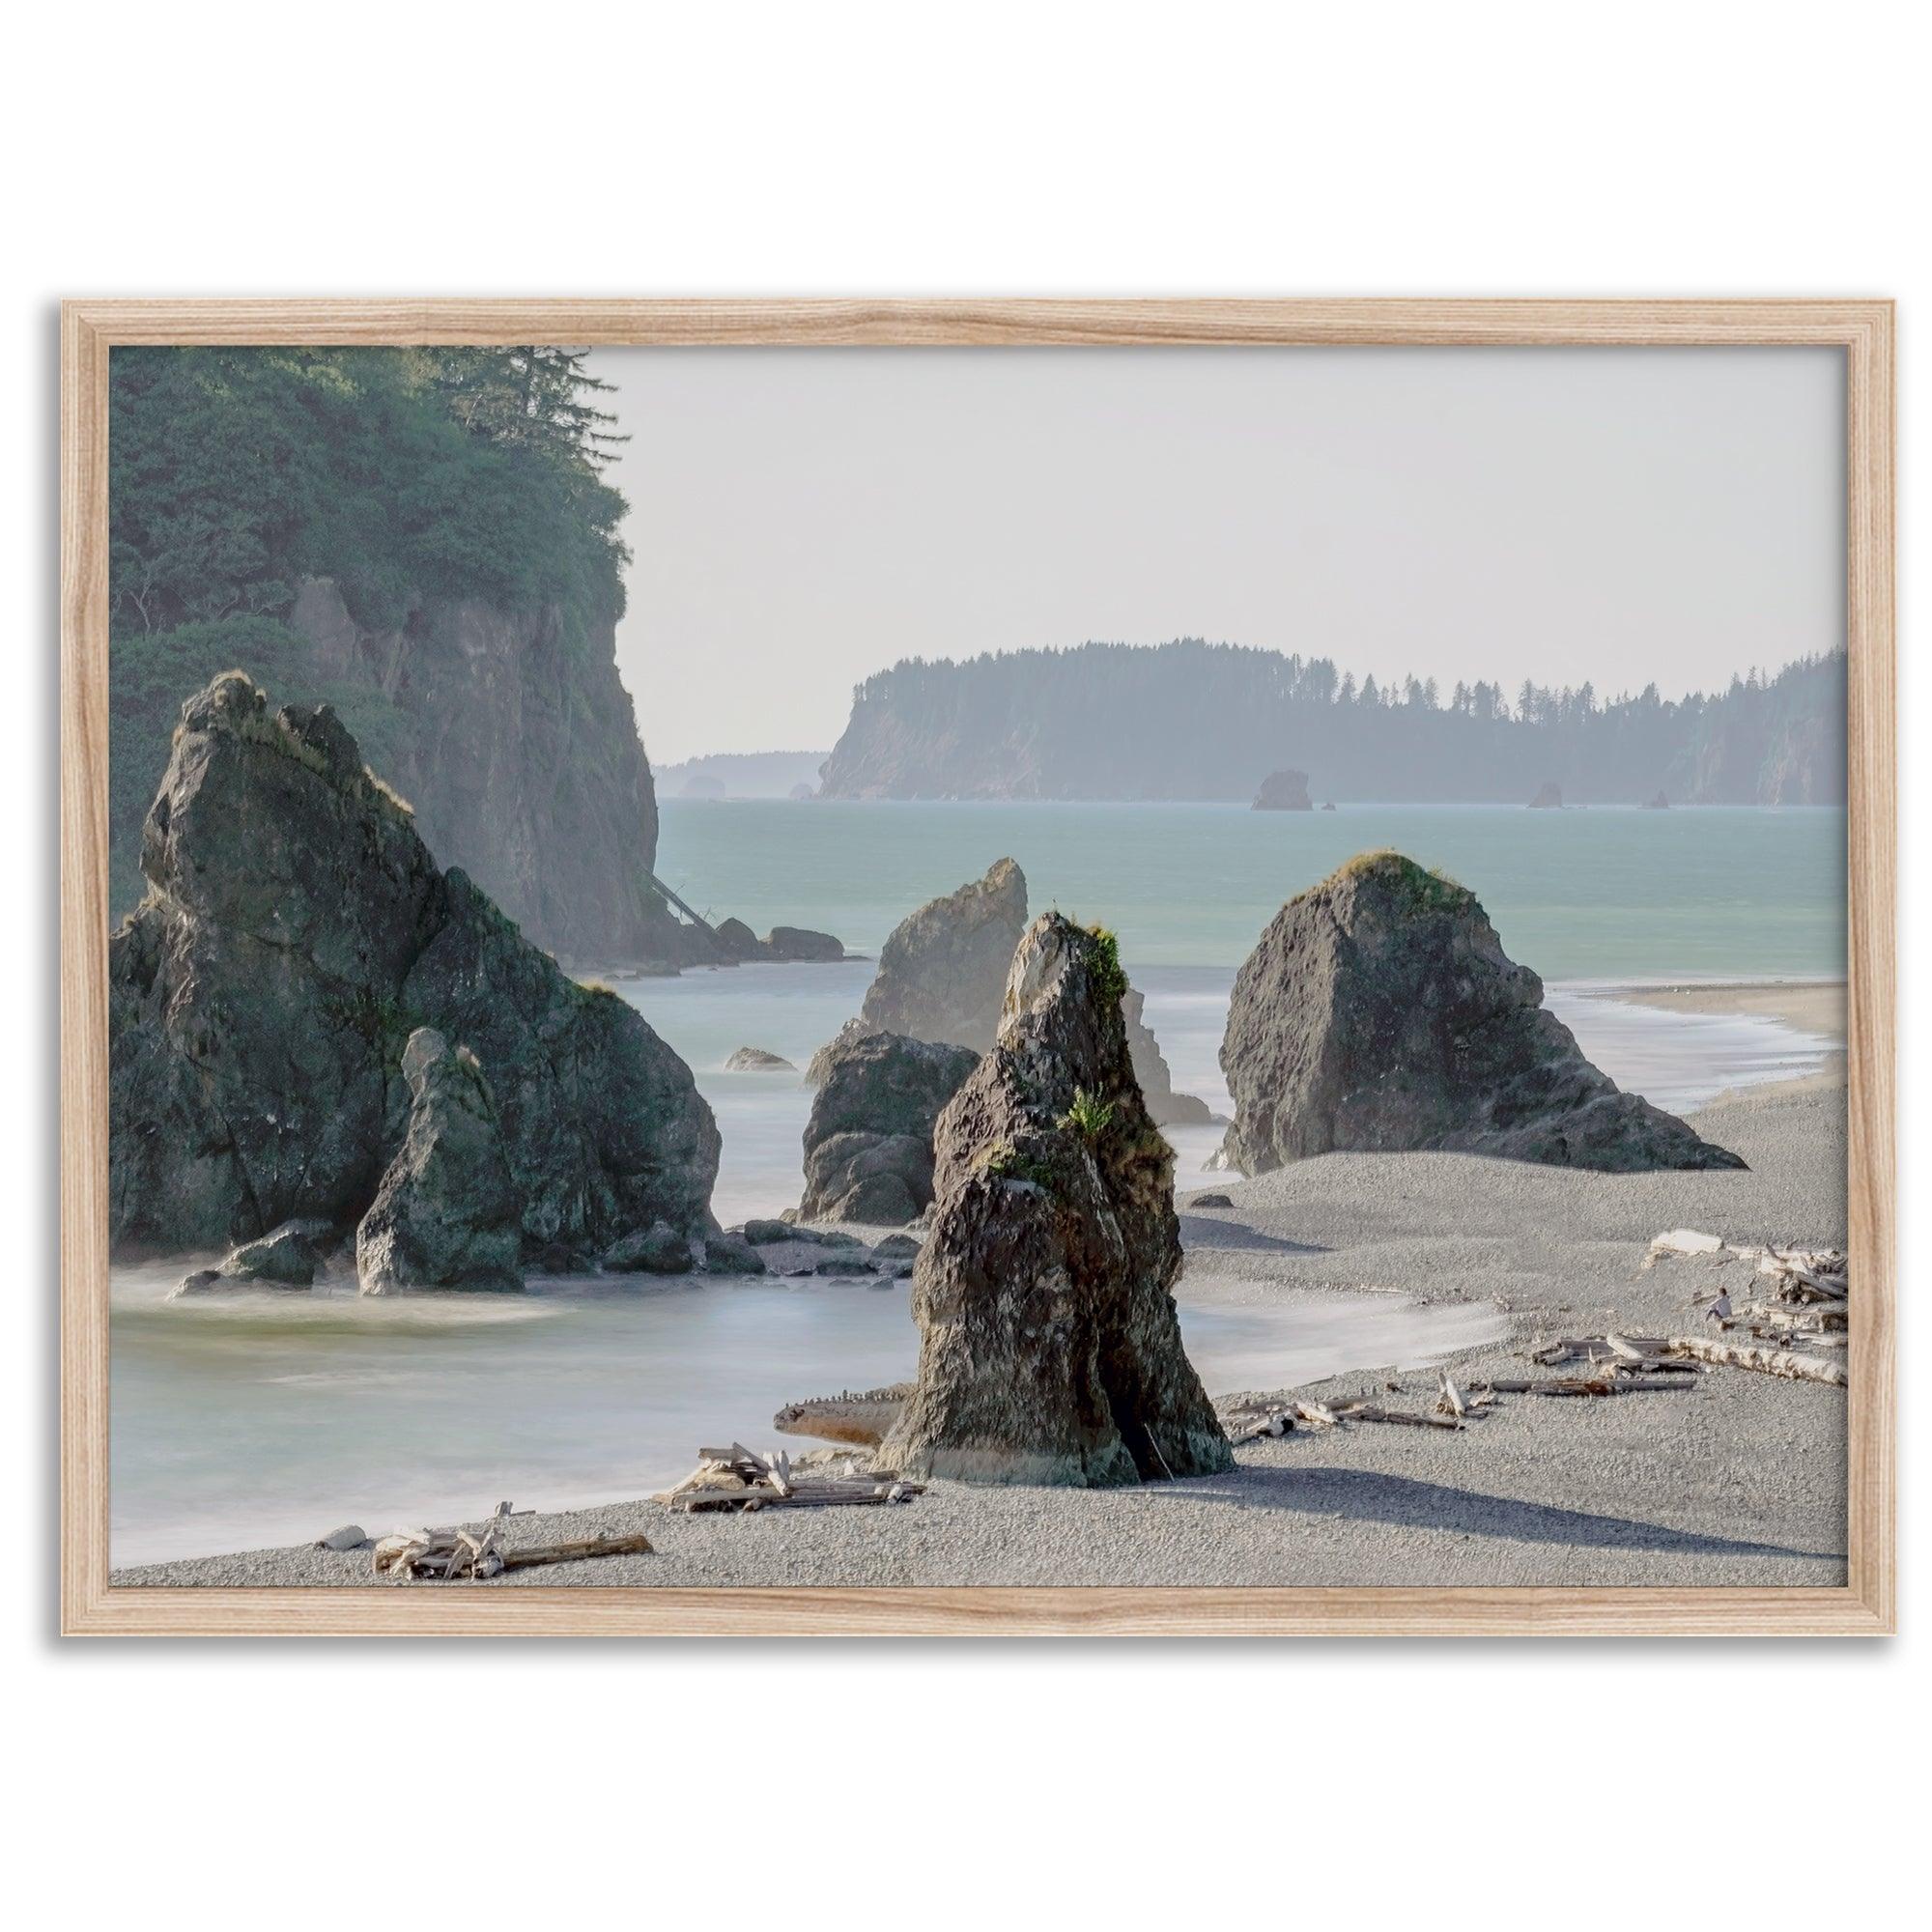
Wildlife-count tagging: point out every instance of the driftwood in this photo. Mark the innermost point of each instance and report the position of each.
(1766, 1361)
(535, 1553)
(1605, 1384)
(453, 1556)
(1371, 1411)
(739, 1481)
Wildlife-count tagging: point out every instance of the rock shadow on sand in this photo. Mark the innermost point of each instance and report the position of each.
(1203, 1231)
(1401, 1503)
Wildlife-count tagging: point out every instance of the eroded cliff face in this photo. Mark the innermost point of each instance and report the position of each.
(521, 759)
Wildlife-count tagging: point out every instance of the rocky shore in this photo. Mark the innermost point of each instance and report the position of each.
(1740, 1481)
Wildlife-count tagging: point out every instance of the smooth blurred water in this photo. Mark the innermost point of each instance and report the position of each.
(266, 1419)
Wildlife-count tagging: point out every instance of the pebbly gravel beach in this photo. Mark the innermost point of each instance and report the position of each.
(1740, 1480)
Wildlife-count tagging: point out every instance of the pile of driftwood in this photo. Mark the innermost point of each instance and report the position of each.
(1798, 1300)
(462, 1556)
(1248, 1418)
(736, 1479)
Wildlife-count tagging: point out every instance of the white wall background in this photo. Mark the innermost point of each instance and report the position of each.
(1680, 148)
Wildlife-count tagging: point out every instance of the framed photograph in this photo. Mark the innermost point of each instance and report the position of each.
(978, 967)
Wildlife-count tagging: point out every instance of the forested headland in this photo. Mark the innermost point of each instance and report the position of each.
(423, 538)
(1192, 719)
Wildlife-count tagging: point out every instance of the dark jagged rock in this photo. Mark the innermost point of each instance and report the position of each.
(943, 970)
(800, 942)
(287, 1258)
(295, 932)
(1549, 797)
(1380, 1013)
(767, 1234)
(1328, 806)
(1050, 1350)
(756, 1059)
(868, 1142)
(732, 1254)
(1658, 804)
(736, 940)
(1208, 1200)
(656, 1250)
(1284, 791)
(1165, 1107)
(448, 1213)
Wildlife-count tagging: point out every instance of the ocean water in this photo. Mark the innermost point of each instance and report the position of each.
(268, 1418)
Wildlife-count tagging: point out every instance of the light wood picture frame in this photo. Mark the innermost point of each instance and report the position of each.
(1860, 330)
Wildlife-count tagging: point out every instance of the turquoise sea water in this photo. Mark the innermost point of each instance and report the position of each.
(1601, 894)
(266, 1419)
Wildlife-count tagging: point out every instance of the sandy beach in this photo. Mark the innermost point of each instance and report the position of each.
(1811, 1006)
(1739, 1481)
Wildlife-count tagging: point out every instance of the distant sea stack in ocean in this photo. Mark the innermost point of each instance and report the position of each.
(1050, 1350)
(1284, 791)
(1658, 804)
(296, 933)
(1381, 1014)
(868, 1142)
(943, 969)
(1191, 719)
(1549, 797)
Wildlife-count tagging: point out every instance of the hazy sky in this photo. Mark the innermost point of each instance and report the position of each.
(802, 517)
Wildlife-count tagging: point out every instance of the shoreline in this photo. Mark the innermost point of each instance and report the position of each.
(1738, 1480)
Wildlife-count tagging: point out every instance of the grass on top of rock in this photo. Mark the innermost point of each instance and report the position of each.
(1427, 888)
(1089, 1116)
(1110, 981)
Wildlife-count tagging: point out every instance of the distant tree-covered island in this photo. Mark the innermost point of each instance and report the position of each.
(1192, 719)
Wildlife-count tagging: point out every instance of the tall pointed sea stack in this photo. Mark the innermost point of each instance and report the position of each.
(1380, 1014)
(1050, 1352)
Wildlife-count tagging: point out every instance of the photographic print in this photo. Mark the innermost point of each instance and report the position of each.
(1155, 973)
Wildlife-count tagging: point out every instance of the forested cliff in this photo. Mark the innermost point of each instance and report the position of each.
(421, 538)
(1190, 719)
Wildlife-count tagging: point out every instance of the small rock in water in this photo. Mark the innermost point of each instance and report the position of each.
(732, 1254)
(756, 1059)
(895, 1248)
(350, 1536)
(763, 1234)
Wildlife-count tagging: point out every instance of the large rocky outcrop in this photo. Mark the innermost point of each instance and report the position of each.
(1284, 791)
(521, 759)
(448, 1213)
(1050, 1350)
(1380, 1012)
(295, 933)
(943, 969)
(868, 1142)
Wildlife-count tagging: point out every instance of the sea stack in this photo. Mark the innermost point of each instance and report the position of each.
(1050, 1352)
(868, 1142)
(943, 969)
(1284, 791)
(1549, 797)
(296, 933)
(448, 1213)
(1380, 1014)
(1658, 804)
